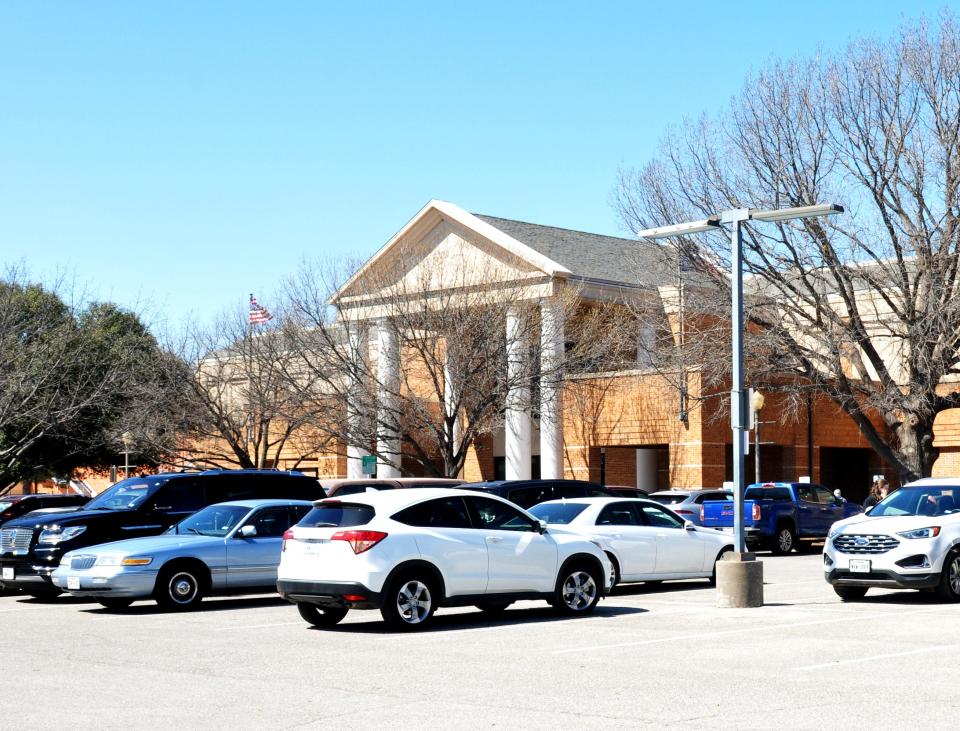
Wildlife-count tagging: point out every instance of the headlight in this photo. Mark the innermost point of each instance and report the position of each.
(123, 561)
(54, 535)
(931, 532)
(834, 530)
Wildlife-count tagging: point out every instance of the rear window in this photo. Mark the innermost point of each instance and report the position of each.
(337, 515)
(556, 513)
(779, 494)
(672, 499)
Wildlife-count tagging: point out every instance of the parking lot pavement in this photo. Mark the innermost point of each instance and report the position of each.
(651, 656)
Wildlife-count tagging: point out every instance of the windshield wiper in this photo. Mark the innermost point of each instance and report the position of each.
(322, 525)
(195, 530)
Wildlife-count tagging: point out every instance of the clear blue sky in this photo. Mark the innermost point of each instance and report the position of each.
(175, 156)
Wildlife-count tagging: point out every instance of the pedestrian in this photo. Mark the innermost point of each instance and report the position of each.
(878, 491)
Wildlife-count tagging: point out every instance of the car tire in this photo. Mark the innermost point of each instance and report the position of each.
(410, 601)
(321, 617)
(179, 588)
(115, 604)
(43, 595)
(713, 576)
(614, 571)
(578, 590)
(850, 593)
(949, 586)
(784, 541)
(493, 607)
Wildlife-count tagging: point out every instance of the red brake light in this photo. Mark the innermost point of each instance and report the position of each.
(359, 540)
(756, 511)
(684, 512)
(287, 536)
(701, 513)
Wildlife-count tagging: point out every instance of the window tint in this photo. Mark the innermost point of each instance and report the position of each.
(568, 490)
(527, 497)
(672, 499)
(494, 515)
(335, 514)
(558, 513)
(824, 496)
(447, 512)
(298, 512)
(224, 488)
(618, 514)
(179, 496)
(270, 522)
(806, 493)
(660, 518)
(777, 494)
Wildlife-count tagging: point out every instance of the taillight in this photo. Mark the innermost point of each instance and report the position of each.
(684, 512)
(287, 536)
(701, 513)
(755, 513)
(359, 540)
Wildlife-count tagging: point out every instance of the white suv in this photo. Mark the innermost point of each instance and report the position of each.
(406, 552)
(909, 540)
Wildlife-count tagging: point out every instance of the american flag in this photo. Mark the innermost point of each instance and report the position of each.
(258, 313)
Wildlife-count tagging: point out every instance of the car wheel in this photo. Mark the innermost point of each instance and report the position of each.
(850, 593)
(614, 571)
(784, 540)
(949, 588)
(44, 595)
(115, 604)
(325, 617)
(493, 607)
(179, 588)
(578, 589)
(713, 576)
(410, 602)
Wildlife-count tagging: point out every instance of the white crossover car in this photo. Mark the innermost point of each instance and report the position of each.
(406, 552)
(909, 540)
(644, 540)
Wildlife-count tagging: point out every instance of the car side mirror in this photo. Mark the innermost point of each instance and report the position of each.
(248, 531)
(541, 527)
(688, 525)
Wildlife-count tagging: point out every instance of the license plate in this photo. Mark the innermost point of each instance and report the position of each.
(8, 574)
(859, 566)
(73, 582)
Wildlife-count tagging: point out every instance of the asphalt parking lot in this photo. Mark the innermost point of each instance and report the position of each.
(651, 656)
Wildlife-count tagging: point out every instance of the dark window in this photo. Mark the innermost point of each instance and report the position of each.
(357, 489)
(494, 515)
(671, 499)
(179, 496)
(527, 497)
(659, 518)
(558, 513)
(824, 496)
(447, 512)
(298, 511)
(777, 494)
(223, 488)
(270, 522)
(338, 515)
(618, 514)
(569, 490)
(806, 493)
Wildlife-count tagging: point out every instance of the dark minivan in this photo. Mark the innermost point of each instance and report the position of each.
(527, 493)
(31, 547)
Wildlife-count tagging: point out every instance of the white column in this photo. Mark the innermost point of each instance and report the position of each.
(357, 343)
(518, 398)
(388, 379)
(551, 395)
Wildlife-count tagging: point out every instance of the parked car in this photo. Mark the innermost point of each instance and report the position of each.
(15, 506)
(686, 503)
(644, 540)
(527, 493)
(778, 515)
(407, 552)
(352, 487)
(909, 540)
(31, 548)
(626, 491)
(225, 548)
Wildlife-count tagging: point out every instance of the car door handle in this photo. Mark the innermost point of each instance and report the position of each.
(494, 539)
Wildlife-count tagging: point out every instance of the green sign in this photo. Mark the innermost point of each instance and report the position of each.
(368, 464)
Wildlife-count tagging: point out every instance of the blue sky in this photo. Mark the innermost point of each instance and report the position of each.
(175, 156)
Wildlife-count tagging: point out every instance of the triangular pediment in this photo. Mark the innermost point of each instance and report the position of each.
(444, 248)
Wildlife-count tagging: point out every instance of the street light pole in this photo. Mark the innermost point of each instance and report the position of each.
(127, 438)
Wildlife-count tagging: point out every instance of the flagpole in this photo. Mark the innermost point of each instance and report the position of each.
(250, 442)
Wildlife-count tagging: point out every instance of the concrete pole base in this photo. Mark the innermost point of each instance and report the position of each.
(739, 581)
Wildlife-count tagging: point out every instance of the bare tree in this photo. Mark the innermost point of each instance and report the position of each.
(861, 307)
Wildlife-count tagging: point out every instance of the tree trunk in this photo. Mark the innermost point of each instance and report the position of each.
(915, 446)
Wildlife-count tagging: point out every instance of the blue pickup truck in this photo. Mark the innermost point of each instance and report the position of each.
(779, 515)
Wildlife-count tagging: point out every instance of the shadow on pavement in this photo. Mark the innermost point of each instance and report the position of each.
(214, 604)
(666, 587)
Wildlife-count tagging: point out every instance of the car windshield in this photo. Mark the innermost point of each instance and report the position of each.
(126, 494)
(920, 500)
(4, 505)
(557, 513)
(214, 520)
(671, 499)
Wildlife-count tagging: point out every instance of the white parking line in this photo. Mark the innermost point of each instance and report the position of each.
(837, 663)
(781, 626)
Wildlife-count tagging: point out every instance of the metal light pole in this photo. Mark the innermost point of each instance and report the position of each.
(127, 438)
(756, 403)
(752, 580)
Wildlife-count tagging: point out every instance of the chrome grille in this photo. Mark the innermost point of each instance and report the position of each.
(864, 543)
(15, 540)
(82, 562)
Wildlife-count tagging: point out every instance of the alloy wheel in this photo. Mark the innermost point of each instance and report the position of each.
(954, 577)
(414, 602)
(785, 540)
(579, 591)
(182, 588)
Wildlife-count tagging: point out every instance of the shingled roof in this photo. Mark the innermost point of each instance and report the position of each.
(594, 256)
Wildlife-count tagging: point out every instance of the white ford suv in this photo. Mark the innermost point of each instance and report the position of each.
(909, 540)
(406, 552)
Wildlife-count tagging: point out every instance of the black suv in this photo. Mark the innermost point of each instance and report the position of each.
(31, 547)
(13, 506)
(527, 493)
